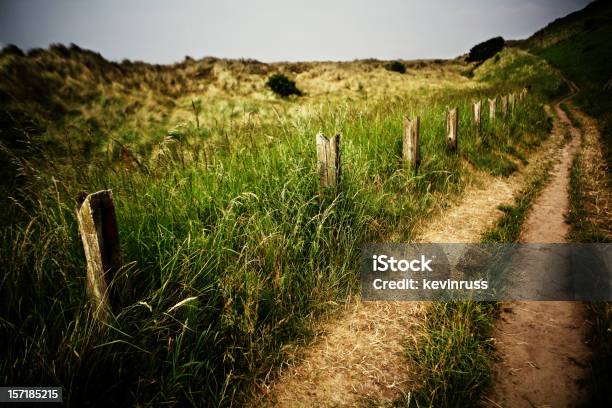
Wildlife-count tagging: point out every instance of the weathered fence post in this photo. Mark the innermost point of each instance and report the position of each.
(492, 109)
(98, 229)
(477, 109)
(410, 143)
(512, 101)
(328, 157)
(504, 105)
(452, 123)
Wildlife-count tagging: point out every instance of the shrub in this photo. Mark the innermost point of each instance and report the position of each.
(11, 49)
(486, 50)
(282, 86)
(396, 66)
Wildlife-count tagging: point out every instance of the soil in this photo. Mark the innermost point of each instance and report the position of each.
(546, 222)
(544, 357)
(358, 360)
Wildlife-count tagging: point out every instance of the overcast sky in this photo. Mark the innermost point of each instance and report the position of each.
(165, 31)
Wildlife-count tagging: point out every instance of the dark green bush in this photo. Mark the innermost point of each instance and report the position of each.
(396, 66)
(486, 50)
(11, 49)
(282, 86)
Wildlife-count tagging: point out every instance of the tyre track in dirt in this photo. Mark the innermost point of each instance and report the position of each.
(358, 356)
(544, 357)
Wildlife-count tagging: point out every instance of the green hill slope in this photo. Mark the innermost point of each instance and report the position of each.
(565, 27)
(579, 46)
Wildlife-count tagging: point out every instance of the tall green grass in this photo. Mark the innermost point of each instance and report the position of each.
(452, 355)
(231, 252)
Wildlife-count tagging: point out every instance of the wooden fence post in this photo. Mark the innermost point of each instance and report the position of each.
(452, 123)
(492, 109)
(411, 155)
(512, 101)
(328, 158)
(477, 108)
(504, 105)
(98, 229)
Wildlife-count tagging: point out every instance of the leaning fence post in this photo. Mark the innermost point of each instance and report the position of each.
(504, 105)
(452, 123)
(98, 229)
(477, 109)
(410, 142)
(492, 108)
(328, 158)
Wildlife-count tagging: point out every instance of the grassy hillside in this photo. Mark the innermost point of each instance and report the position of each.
(583, 54)
(586, 19)
(68, 102)
(514, 67)
(71, 87)
(231, 251)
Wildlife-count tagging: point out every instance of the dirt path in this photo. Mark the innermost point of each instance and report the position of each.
(359, 357)
(543, 354)
(546, 222)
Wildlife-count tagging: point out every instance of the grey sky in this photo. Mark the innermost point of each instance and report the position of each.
(164, 31)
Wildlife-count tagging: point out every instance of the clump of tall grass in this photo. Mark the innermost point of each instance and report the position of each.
(452, 354)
